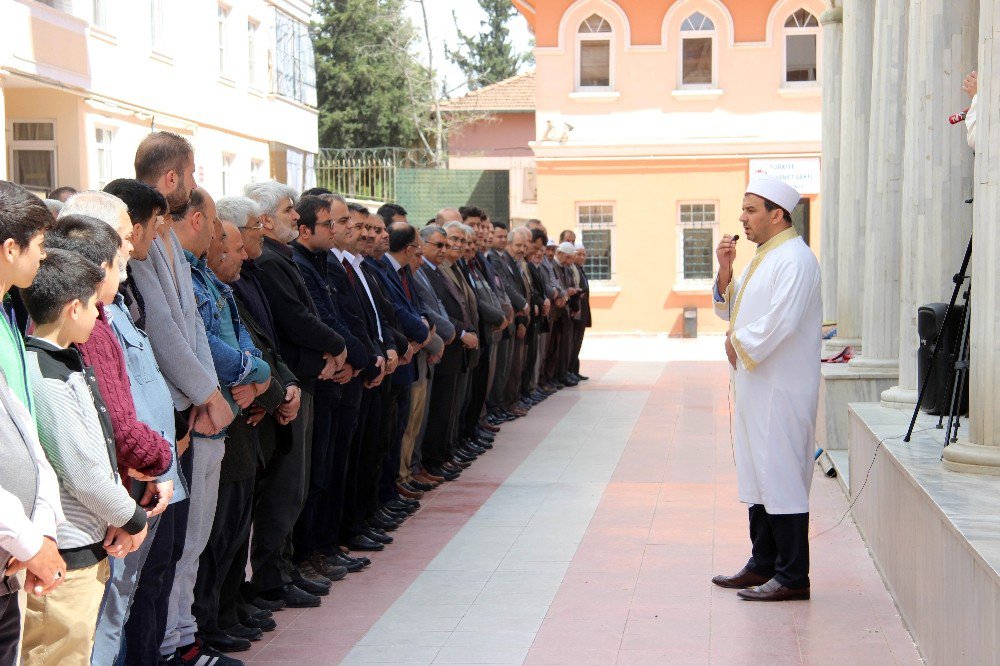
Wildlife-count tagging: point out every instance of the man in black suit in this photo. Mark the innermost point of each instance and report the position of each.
(313, 351)
(498, 258)
(441, 413)
(585, 321)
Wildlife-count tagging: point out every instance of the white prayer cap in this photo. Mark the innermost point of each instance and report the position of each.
(774, 190)
(552, 243)
(579, 246)
(566, 248)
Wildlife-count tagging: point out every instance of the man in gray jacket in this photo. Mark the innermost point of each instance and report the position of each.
(177, 334)
(30, 511)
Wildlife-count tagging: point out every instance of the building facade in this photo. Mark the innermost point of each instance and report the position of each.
(650, 118)
(83, 81)
(494, 130)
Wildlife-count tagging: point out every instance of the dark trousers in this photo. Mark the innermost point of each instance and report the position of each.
(478, 388)
(578, 330)
(390, 467)
(147, 621)
(530, 358)
(326, 400)
(10, 629)
(780, 546)
(231, 528)
(504, 352)
(512, 390)
(439, 419)
(375, 448)
(231, 596)
(352, 518)
(560, 341)
(331, 511)
(278, 500)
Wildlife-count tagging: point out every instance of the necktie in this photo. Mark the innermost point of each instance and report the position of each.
(404, 277)
(350, 273)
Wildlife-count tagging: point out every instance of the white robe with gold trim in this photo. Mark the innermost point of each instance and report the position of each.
(776, 320)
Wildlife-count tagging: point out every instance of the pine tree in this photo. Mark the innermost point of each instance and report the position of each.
(367, 79)
(488, 57)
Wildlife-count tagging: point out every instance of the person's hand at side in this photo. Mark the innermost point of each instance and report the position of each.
(970, 84)
(156, 497)
(46, 568)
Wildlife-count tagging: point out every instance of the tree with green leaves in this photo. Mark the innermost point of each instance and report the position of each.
(370, 88)
(489, 56)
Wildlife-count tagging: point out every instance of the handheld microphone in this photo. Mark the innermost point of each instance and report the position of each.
(736, 237)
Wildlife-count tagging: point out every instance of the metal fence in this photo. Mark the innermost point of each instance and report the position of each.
(405, 176)
(365, 173)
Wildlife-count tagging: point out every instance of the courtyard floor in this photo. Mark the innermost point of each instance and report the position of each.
(589, 535)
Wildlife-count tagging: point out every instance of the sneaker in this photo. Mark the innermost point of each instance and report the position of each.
(199, 654)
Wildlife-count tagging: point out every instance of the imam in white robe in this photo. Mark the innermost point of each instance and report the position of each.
(776, 319)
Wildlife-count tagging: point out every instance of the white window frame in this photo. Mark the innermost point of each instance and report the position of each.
(158, 27)
(105, 151)
(227, 176)
(712, 34)
(580, 227)
(581, 37)
(34, 145)
(100, 13)
(695, 284)
(253, 54)
(787, 32)
(223, 14)
(257, 170)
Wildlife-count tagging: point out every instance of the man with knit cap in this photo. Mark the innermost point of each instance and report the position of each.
(773, 345)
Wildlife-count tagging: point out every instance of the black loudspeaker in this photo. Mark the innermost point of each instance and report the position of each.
(937, 398)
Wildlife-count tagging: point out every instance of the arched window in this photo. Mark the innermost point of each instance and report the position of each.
(593, 54)
(697, 52)
(801, 35)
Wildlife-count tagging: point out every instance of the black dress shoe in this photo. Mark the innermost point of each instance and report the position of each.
(242, 631)
(293, 596)
(248, 610)
(264, 624)
(398, 507)
(379, 537)
(485, 435)
(447, 475)
(362, 542)
(395, 516)
(580, 378)
(314, 587)
(272, 605)
(422, 487)
(223, 642)
(349, 563)
(382, 524)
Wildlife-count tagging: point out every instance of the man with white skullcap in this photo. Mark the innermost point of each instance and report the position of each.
(773, 345)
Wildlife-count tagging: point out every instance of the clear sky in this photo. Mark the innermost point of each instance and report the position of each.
(442, 29)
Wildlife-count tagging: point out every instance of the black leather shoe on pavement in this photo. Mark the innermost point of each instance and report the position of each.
(272, 605)
(315, 587)
(223, 642)
(293, 596)
(378, 535)
(246, 609)
(242, 631)
(362, 542)
(264, 624)
(351, 564)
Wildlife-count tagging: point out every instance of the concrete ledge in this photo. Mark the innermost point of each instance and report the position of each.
(934, 535)
(842, 384)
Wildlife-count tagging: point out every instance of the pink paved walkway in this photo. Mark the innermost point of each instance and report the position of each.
(637, 588)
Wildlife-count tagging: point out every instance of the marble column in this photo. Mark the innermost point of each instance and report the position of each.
(982, 453)
(832, 21)
(883, 209)
(855, 118)
(937, 170)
